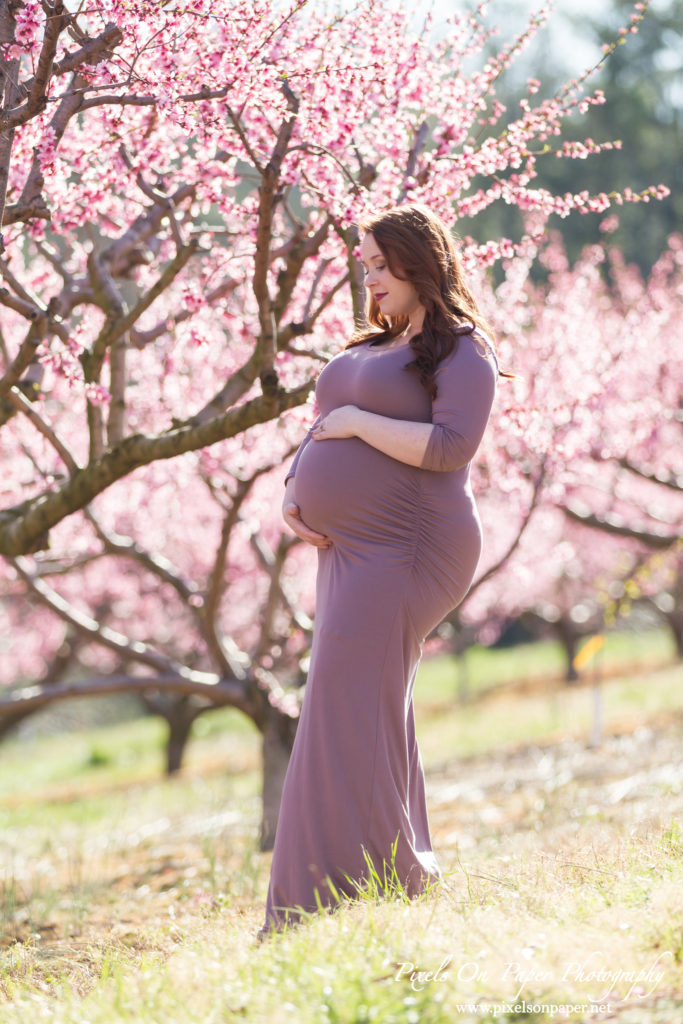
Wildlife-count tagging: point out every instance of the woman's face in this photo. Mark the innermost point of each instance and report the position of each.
(393, 296)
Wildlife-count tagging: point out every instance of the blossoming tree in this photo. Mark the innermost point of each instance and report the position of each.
(594, 416)
(178, 189)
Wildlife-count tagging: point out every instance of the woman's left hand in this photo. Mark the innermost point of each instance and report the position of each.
(341, 422)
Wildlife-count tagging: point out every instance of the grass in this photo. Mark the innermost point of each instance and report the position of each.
(549, 713)
(483, 670)
(126, 897)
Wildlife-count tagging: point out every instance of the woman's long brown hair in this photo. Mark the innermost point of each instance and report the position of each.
(418, 247)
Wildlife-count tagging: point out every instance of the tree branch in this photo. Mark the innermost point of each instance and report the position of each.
(226, 692)
(319, 274)
(19, 305)
(294, 330)
(90, 53)
(119, 254)
(16, 212)
(669, 480)
(55, 24)
(141, 338)
(116, 422)
(168, 275)
(303, 247)
(122, 321)
(25, 303)
(274, 563)
(160, 198)
(267, 560)
(351, 238)
(31, 194)
(117, 544)
(614, 525)
(270, 176)
(112, 100)
(520, 533)
(9, 95)
(22, 404)
(108, 298)
(234, 388)
(225, 651)
(26, 354)
(55, 671)
(237, 125)
(415, 149)
(23, 525)
(225, 654)
(131, 650)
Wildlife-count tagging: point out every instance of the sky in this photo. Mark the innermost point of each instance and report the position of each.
(573, 49)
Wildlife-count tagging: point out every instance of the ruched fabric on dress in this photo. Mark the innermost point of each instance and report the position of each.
(405, 545)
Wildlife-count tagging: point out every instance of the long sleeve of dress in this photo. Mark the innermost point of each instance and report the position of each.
(466, 383)
(292, 469)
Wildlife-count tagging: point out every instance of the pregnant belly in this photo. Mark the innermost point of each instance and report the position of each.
(382, 514)
(346, 488)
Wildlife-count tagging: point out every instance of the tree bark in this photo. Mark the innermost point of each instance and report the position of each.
(22, 527)
(675, 621)
(563, 629)
(180, 720)
(222, 692)
(8, 723)
(9, 94)
(277, 738)
(569, 639)
(611, 525)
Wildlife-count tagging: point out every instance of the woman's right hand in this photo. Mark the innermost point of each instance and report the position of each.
(291, 514)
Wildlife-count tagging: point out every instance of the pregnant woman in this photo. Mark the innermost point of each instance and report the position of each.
(380, 485)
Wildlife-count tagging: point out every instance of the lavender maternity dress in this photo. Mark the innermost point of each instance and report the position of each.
(405, 544)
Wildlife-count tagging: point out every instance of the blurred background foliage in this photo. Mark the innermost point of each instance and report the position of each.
(643, 83)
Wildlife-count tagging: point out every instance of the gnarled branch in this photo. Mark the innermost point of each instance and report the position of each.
(117, 544)
(25, 355)
(225, 692)
(270, 176)
(670, 480)
(131, 650)
(614, 525)
(538, 485)
(23, 525)
(22, 404)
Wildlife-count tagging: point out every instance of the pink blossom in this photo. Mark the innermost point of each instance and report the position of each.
(134, 184)
(97, 394)
(29, 22)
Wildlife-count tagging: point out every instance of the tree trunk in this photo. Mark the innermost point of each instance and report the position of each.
(674, 621)
(278, 736)
(463, 675)
(55, 672)
(180, 720)
(460, 641)
(569, 640)
(8, 723)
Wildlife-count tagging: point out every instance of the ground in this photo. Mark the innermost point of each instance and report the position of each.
(130, 898)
